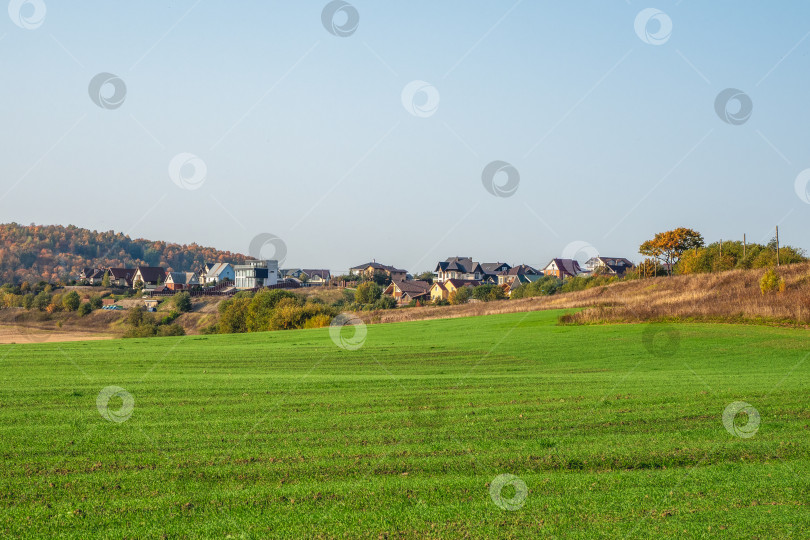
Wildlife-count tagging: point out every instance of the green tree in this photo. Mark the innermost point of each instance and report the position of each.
(95, 302)
(182, 301)
(425, 276)
(367, 293)
(41, 301)
(460, 295)
(105, 281)
(85, 309)
(71, 301)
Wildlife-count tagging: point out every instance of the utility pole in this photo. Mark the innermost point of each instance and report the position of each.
(743, 245)
(777, 245)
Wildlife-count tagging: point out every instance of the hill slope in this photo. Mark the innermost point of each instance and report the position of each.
(53, 252)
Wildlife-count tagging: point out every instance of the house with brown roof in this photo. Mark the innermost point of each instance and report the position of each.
(149, 276)
(405, 291)
(369, 269)
(562, 268)
(121, 277)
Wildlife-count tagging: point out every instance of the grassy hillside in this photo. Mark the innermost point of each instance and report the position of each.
(52, 252)
(614, 430)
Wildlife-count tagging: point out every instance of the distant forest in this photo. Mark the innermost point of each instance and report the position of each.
(55, 253)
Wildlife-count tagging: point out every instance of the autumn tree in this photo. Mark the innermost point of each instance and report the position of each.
(668, 246)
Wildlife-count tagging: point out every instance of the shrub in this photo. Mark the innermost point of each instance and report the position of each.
(71, 301)
(385, 302)
(460, 295)
(95, 302)
(318, 321)
(173, 329)
(367, 293)
(771, 281)
(182, 301)
(486, 293)
(85, 309)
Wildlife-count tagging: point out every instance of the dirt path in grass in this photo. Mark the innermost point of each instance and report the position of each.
(21, 334)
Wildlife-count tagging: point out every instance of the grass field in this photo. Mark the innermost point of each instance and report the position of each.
(615, 431)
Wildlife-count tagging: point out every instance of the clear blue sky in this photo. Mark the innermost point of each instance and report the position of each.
(304, 134)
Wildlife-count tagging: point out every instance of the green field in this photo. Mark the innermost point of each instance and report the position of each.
(286, 434)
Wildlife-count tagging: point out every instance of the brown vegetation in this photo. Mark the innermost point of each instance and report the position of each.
(732, 296)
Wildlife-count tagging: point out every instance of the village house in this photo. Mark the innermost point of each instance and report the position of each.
(148, 277)
(317, 277)
(611, 266)
(405, 291)
(463, 268)
(520, 279)
(254, 274)
(516, 271)
(441, 290)
(180, 281)
(217, 273)
(562, 268)
(121, 277)
(291, 273)
(368, 270)
(493, 270)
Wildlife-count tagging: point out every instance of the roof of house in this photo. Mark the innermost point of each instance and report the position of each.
(412, 287)
(378, 266)
(87, 272)
(216, 269)
(97, 273)
(465, 265)
(522, 269)
(323, 274)
(121, 273)
(494, 268)
(566, 266)
(150, 274)
(180, 278)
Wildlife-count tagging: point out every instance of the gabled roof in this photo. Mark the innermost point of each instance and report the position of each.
(493, 268)
(323, 274)
(413, 287)
(121, 273)
(150, 274)
(464, 265)
(568, 267)
(95, 274)
(463, 282)
(522, 269)
(216, 269)
(378, 266)
(180, 278)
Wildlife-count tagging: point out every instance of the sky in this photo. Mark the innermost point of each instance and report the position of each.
(408, 132)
